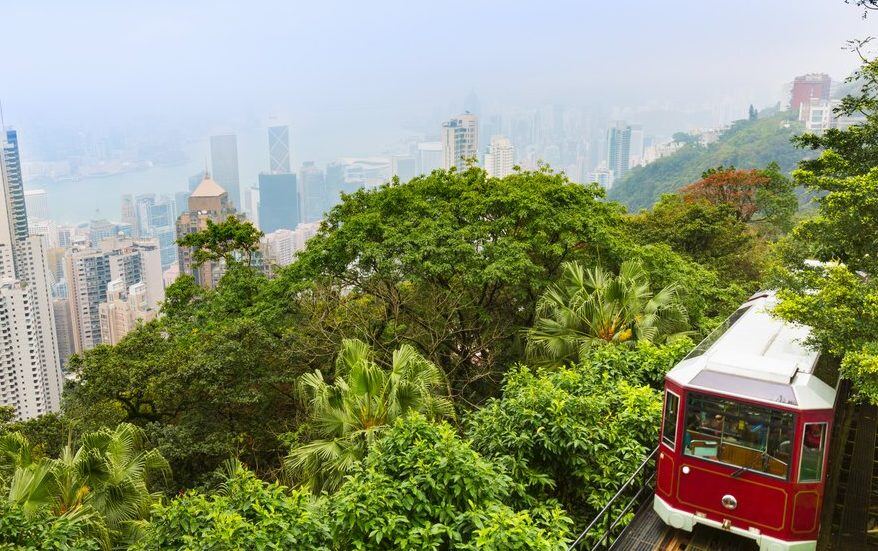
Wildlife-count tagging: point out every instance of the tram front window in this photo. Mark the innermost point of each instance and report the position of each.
(740, 435)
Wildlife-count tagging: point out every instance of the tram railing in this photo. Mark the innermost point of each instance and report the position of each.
(608, 525)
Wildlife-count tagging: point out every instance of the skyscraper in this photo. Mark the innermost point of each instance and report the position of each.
(636, 150)
(279, 149)
(210, 202)
(500, 157)
(278, 202)
(618, 149)
(315, 199)
(460, 140)
(30, 371)
(224, 166)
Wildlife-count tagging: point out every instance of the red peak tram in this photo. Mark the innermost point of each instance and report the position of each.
(745, 433)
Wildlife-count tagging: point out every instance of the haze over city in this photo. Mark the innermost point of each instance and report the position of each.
(353, 78)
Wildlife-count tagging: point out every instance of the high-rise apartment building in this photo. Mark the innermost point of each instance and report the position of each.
(500, 157)
(807, 87)
(124, 307)
(618, 149)
(279, 149)
(91, 270)
(278, 202)
(209, 201)
(224, 166)
(460, 140)
(30, 371)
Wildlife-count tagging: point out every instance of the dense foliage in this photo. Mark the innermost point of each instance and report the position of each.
(746, 144)
(410, 309)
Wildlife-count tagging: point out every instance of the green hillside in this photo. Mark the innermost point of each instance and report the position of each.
(747, 144)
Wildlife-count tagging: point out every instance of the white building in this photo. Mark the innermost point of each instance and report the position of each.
(37, 202)
(91, 271)
(125, 306)
(279, 247)
(460, 140)
(500, 157)
(819, 116)
(30, 371)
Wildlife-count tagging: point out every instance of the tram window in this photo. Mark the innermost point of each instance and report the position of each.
(669, 428)
(813, 446)
(754, 437)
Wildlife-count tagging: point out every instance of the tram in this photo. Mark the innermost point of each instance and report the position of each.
(745, 432)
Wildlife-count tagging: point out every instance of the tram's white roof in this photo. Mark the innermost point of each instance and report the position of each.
(758, 357)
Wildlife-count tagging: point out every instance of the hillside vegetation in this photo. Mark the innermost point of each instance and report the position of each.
(747, 144)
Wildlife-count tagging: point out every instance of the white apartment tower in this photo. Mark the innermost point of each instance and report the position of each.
(460, 140)
(30, 371)
(499, 159)
(94, 274)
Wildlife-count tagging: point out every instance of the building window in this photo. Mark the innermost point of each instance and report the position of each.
(750, 437)
(669, 426)
(813, 448)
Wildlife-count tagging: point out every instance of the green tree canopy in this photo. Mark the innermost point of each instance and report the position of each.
(223, 241)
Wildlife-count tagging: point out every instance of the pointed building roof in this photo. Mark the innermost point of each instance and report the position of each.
(208, 188)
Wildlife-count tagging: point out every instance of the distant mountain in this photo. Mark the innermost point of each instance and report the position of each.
(746, 144)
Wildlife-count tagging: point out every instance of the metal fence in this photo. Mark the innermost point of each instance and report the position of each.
(609, 523)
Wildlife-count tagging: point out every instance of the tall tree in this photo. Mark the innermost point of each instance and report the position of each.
(226, 240)
(350, 414)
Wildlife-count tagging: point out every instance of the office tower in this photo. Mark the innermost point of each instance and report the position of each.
(209, 201)
(807, 87)
(30, 371)
(334, 180)
(181, 201)
(429, 157)
(635, 157)
(618, 149)
(279, 149)
(124, 307)
(500, 157)
(404, 167)
(278, 202)
(90, 270)
(315, 200)
(37, 204)
(460, 140)
(98, 230)
(224, 166)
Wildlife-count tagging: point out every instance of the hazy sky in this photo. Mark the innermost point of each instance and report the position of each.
(348, 75)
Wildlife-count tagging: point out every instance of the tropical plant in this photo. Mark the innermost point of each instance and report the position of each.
(350, 413)
(586, 307)
(103, 482)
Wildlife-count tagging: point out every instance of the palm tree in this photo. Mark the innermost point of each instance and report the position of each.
(587, 307)
(102, 483)
(350, 413)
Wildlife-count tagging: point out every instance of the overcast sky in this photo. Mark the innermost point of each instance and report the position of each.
(332, 67)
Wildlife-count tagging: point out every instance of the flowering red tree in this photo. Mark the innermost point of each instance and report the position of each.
(759, 196)
(737, 188)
